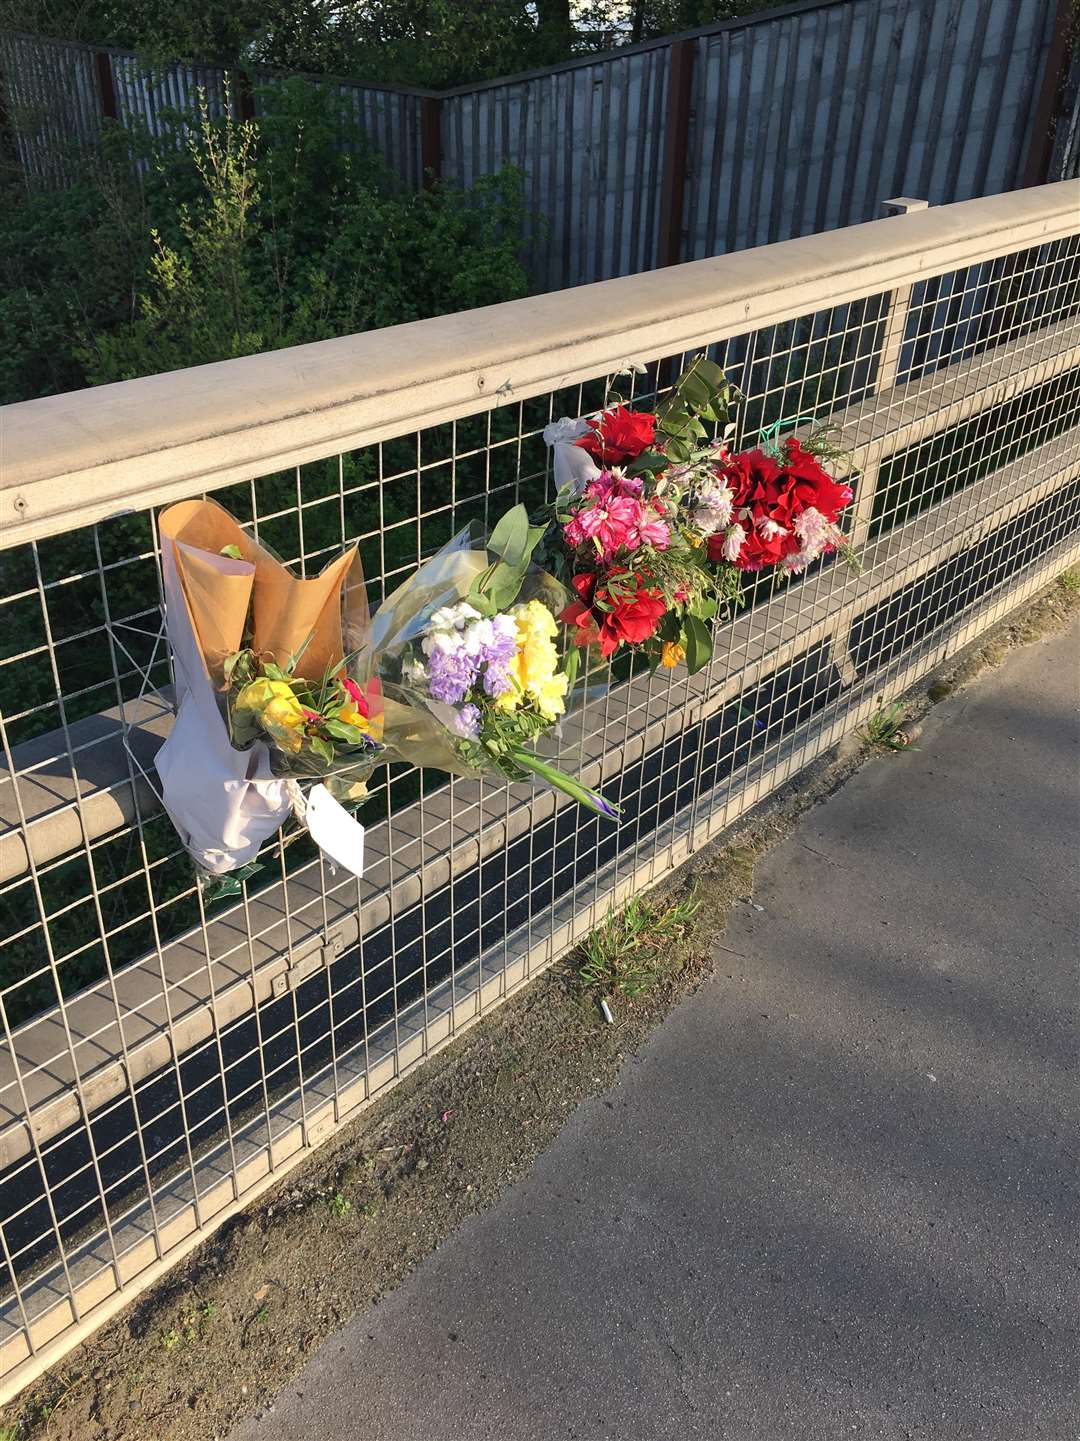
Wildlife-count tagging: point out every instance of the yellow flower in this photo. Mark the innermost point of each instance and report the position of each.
(695, 539)
(352, 716)
(550, 696)
(276, 709)
(536, 665)
(511, 698)
(671, 654)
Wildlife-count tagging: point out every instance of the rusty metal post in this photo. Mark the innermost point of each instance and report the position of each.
(106, 88)
(1048, 107)
(431, 139)
(676, 138)
(245, 98)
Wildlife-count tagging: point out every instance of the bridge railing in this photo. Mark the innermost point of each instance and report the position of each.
(163, 1062)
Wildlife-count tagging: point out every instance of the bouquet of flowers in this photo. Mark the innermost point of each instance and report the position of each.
(264, 698)
(655, 519)
(465, 657)
(640, 497)
(784, 507)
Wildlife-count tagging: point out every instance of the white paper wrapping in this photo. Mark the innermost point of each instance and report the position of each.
(573, 466)
(223, 802)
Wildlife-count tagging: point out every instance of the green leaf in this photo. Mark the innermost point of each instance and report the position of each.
(698, 644)
(697, 393)
(708, 371)
(323, 749)
(505, 585)
(342, 731)
(232, 551)
(648, 460)
(510, 538)
(482, 602)
(678, 450)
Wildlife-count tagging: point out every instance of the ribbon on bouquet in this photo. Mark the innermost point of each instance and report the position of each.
(769, 435)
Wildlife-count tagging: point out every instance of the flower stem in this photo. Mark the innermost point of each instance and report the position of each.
(568, 784)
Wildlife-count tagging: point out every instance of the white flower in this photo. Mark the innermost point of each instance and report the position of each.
(412, 670)
(733, 543)
(769, 528)
(453, 617)
(445, 640)
(478, 636)
(714, 509)
(798, 562)
(815, 532)
(564, 430)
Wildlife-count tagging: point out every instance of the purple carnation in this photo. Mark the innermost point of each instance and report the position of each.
(450, 674)
(467, 722)
(496, 680)
(497, 648)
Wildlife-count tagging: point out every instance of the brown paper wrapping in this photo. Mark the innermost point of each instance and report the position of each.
(285, 611)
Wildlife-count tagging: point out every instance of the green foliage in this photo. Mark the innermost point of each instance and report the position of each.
(625, 952)
(884, 730)
(339, 1206)
(243, 237)
(433, 43)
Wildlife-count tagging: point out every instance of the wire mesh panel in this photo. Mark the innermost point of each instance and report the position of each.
(162, 1058)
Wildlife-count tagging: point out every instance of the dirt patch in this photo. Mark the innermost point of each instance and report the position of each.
(229, 1327)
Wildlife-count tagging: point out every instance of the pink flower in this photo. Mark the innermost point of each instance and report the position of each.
(612, 524)
(613, 482)
(652, 530)
(574, 532)
(733, 543)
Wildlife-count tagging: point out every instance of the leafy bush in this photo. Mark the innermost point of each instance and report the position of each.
(222, 239)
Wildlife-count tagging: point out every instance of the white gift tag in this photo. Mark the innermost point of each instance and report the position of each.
(334, 830)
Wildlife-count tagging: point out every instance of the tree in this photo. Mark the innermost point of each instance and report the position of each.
(246, 237)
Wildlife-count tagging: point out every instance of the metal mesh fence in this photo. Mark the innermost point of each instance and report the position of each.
(161, 1059)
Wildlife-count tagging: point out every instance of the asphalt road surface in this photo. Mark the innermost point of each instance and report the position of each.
(837, 1193)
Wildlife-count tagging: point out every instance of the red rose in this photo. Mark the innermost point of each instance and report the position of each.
(619, 435)
(813, 485)
(771, 496)
(599, 617)
(579, 613)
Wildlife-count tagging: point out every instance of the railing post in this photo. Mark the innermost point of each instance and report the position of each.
(245, 98)
(892, 342)
(430, 140)
(676, 138)
(106, 88)
(899, 305)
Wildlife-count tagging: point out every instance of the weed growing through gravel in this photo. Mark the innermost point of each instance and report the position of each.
(624, 954)
(884, 730)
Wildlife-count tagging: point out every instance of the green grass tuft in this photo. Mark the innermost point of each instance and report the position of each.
(884, 730)
(339, 1206)
(624, 954)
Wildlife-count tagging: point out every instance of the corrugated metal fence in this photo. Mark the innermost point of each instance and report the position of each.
(795, 121)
